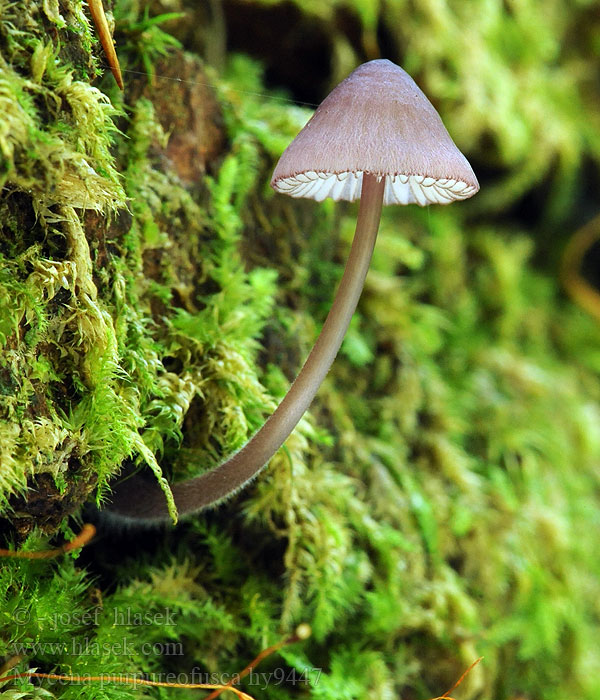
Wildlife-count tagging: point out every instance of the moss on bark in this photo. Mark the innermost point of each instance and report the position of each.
(440, 500)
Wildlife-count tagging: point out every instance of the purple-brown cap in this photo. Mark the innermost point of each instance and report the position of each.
(376, 121)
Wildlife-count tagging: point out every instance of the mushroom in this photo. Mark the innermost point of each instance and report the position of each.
(377, 137)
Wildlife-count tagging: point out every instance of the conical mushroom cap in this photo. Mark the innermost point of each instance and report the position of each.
(376, 121)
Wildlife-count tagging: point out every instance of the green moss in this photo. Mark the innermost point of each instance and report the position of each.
(123, 402)
(439, 501)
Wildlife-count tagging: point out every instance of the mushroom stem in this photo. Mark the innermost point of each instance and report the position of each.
(140, 500)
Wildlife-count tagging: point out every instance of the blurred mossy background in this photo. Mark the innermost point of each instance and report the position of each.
(440, 501)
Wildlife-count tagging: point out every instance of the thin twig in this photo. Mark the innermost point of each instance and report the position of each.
(83, 538)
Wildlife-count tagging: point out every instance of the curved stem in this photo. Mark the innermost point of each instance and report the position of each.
(139, 500)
